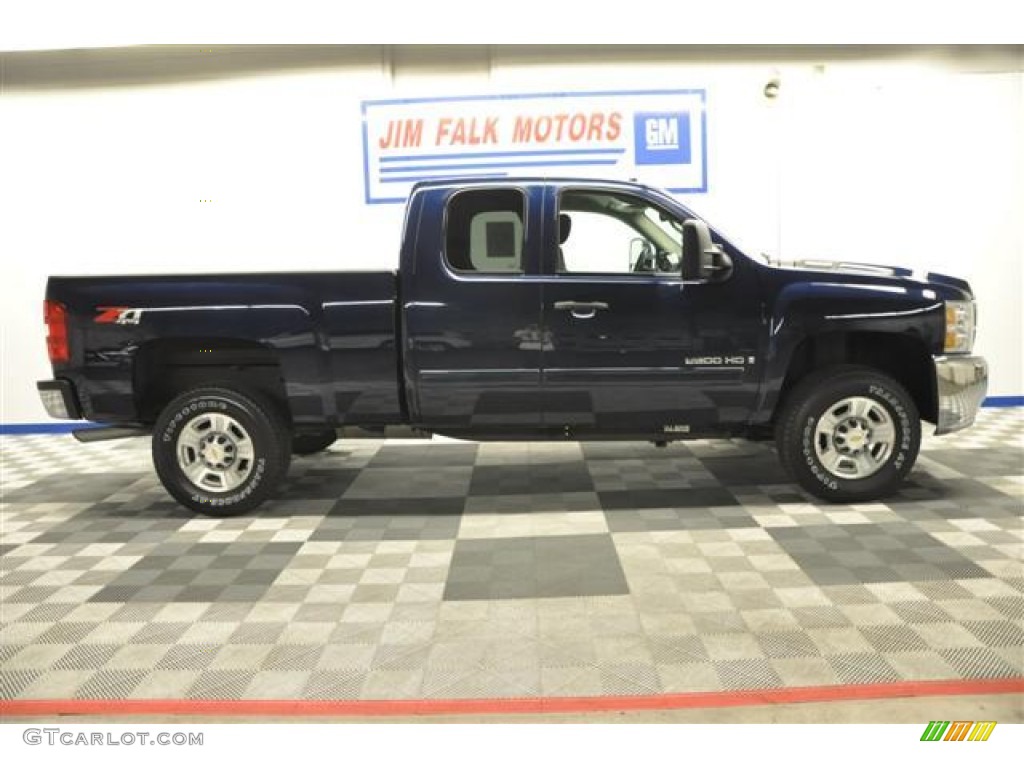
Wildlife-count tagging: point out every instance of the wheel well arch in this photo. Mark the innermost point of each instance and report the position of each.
(904, 357)
(164, 368)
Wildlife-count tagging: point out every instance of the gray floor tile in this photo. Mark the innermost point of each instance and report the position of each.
(458, 570)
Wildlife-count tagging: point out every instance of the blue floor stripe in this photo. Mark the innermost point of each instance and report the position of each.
(54, 428)
(1003, 401)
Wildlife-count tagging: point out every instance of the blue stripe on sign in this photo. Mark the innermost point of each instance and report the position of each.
(430, 177)
(514, 164)
(516, 153)
(1003, 401)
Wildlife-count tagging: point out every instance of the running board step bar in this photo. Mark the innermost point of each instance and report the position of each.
(97, 434)
(396, 431)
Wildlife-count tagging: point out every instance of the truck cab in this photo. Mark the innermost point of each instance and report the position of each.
(563, 309)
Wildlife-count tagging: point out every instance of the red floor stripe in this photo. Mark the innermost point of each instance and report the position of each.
(274, 708)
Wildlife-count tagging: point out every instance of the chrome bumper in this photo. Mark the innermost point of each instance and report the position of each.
(962, 383)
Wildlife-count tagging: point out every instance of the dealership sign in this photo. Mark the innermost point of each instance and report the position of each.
(656, 137)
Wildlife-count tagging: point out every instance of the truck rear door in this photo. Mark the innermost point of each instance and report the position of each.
(472, 297)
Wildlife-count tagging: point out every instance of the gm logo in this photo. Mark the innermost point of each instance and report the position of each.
(662, 138)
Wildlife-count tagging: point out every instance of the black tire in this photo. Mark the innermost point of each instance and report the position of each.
(854, 460)
(255, 450)
(307, 443)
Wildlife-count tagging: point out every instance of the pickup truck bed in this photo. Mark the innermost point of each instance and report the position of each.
(331, 337)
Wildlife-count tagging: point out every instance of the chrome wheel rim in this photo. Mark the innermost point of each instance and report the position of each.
(215, 452)
(854, 437)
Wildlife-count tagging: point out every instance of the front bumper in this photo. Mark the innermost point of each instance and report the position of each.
(961, 383)
(59, 399)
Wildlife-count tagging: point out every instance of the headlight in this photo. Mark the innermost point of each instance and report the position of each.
(959, 326)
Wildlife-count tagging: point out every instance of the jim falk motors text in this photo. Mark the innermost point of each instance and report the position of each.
(583, 127)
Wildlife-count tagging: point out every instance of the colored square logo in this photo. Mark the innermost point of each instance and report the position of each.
(662, 138)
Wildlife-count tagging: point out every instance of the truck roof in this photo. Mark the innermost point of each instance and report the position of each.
(558, 181)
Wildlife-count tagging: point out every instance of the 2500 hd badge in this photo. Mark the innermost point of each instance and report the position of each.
(719, 360)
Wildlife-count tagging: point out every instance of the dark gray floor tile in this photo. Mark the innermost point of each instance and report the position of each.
(902, 551)
(382, 508)
(545, 566)
(504, 479)
(391, 520)
(317, 484)
(760, 469)
(198, 573)
(667, 499)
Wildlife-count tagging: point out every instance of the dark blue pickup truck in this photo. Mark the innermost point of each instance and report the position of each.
(561, 309)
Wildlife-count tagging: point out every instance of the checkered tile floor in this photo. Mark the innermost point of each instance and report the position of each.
(448, 570)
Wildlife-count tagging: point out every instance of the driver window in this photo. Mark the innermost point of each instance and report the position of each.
(613, 233)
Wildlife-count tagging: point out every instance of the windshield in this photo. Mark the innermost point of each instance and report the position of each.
(744, 245)
(669, 226)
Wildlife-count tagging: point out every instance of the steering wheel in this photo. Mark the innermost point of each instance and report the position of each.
(664, 262)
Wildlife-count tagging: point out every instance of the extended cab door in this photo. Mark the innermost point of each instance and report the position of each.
(471, 298)
(632, 347)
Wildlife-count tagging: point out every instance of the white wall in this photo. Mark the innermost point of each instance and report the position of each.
(904, 159)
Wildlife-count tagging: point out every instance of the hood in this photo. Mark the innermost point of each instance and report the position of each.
(859, 269)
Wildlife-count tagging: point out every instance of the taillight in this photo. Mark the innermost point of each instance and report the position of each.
(57, 331)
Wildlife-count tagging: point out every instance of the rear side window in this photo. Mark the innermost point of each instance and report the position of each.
(485, 231)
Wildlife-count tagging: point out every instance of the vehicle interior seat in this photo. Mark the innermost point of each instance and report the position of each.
(564, 228)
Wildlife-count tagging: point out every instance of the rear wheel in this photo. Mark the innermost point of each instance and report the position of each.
(220, 451)
(849, 434)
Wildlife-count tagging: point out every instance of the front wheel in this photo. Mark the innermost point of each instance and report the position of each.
(849, 434)
(219, 451)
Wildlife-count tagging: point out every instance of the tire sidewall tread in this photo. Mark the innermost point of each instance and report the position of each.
(266, 428)
(806, 404)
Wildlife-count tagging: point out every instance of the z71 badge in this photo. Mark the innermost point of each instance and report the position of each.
(118, 315)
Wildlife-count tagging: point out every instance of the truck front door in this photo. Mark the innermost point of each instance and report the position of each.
(632, 348)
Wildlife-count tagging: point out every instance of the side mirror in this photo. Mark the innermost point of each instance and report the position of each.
(702, 259)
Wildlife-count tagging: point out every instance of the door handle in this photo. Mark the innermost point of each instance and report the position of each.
(584, 310)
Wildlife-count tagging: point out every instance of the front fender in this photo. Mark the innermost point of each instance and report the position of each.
(834, 310)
